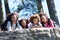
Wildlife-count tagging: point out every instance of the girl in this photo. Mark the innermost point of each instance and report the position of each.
(45, 21)
(34, 22)
(23, 24)
(13, 23)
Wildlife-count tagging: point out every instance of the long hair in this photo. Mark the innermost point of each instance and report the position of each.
(21, 23)
(48, 19)
(11, 19)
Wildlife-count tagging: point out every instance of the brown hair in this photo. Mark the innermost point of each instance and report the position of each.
(33, 17)
(43, 14)
(37, 16)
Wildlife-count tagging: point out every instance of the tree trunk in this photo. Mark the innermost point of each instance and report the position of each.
(1, 14)
(39, 5)
(52, 10)
(6, 6)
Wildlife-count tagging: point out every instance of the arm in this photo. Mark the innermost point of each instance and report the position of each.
(38, 26)
(8, 26)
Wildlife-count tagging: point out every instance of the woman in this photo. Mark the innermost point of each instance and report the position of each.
(34, 22)
(45, 21)
(13, 23)
(23, 24)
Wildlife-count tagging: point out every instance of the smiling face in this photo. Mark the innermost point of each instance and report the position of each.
(23, 23)
(35, 21)
(43, 19)
(13, 18)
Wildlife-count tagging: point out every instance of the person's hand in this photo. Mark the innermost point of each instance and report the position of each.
(35, 27)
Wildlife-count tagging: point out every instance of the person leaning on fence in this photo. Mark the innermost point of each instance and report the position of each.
(23, 24)
(45, 21)
(34, 22)
(13, 23)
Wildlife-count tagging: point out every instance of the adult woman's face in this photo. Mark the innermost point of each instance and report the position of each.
(14, 18)
(43, 19)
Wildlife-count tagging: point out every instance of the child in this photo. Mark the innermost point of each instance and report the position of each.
(45, 21)
(23, 24)
(13, 23)
(34, 22)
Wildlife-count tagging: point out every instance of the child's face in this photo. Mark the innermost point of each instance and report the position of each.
(43, 19)
(14, 18)
(23, 23)
(35, 21)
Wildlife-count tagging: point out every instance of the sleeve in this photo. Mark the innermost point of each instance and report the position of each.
(8, 26)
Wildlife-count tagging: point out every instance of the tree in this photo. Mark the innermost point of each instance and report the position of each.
(52, 10)
(1, 13)
(6, 6)
(39, 5)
